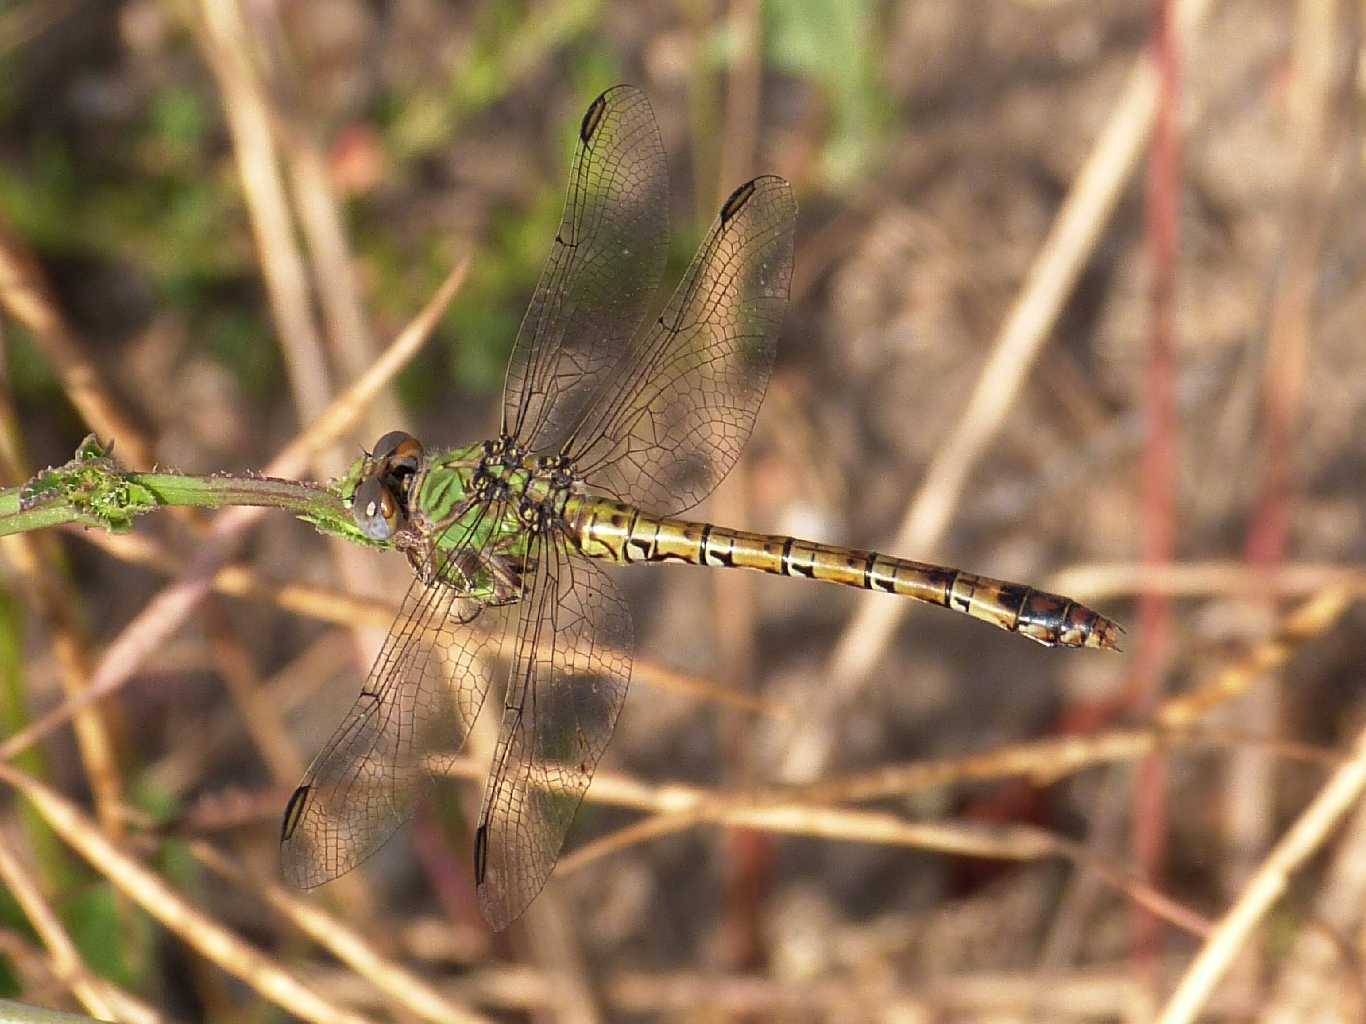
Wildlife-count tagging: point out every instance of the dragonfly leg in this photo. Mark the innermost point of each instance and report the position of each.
(508, 582)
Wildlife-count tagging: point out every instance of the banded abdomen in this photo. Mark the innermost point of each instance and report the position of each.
(624, 534)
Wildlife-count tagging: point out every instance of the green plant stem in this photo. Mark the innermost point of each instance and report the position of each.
(220, 491)
(173, 489)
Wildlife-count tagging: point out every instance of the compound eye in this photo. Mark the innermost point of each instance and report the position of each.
(406, 457)
(375, 510)
(391, 443)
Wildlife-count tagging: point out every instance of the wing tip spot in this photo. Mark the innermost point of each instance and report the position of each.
(737, 199)
(592, 117)
(481, 853)
(294, 812)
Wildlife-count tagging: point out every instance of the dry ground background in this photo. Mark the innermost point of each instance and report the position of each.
(213, 217)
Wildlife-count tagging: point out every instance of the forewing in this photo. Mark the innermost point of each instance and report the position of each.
(603, 269)
(666, 432)
(418, 703)
(570, 669)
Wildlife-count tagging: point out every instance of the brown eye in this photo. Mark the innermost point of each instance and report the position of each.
(395, 459)
(396, 444)
(375, 511)
(406, 455)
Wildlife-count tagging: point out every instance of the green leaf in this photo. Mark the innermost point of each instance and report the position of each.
(832, 41)
(94, 918)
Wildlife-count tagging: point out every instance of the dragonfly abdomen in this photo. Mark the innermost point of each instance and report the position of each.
(623, 534)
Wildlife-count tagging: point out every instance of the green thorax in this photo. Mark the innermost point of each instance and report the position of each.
(486, 495)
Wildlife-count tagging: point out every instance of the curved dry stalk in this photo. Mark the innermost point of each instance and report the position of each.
(680, 807)
(1311, 619)
(100, 997)
(1079, 996)
(25, 294)
(1064, 253)
(260, 716)
(329, 605)
(325, 604)
(347, 409)
(198, 929)
(771, 811)
(227, 48)
(1228, 578)
(1043, 762)
(175, 603)
(21, 1013)
(334, 279)
(1305, 838)
(56, 607)
(352, 949)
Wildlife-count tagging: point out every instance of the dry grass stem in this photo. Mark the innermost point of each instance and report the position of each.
(1104, 992)
(1318, 976)
(333, 274)
(227, 47)
(680, 807)
(57, 606)
(1310, 620)
(327, 604)
(1308, 835)
(98, 996)
(37, 558)
(1204, 579)
(347, 409)
(1043, 762)
(200, 930)
(395, 981)
(25, 294)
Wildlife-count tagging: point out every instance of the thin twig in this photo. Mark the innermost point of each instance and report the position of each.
(98, 996)
(1311, 619)
(1096, 581)
(679, 807)
(24, 292)
(350, 947)
(38, 561)
(1157, 515)
(326, 604)
(227, 48)
(196, 928)
(1303, 841)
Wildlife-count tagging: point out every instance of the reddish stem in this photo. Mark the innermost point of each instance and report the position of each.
(1159, 456)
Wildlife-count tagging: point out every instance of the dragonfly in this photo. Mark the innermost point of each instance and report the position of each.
(613, 424)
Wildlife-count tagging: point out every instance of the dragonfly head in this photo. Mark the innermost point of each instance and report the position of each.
(376, 510)
(397, 452)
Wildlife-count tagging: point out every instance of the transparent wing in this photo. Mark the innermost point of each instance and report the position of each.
(672, 422)
(418, 703)
(603, 269)
(570, 669)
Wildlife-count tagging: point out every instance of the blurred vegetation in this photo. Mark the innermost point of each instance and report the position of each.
(157, 193)
(131, 172)
(929, 144)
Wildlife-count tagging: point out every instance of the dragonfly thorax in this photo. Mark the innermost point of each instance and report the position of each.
(534, 489)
